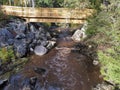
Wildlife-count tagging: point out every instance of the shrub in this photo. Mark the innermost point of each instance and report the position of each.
(110, 68)
(104, 30)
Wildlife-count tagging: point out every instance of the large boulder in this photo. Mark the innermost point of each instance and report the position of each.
(40, 50)
(78, 35)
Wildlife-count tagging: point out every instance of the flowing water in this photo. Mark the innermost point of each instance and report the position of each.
(63, 68)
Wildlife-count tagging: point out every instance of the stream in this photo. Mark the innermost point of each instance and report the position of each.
(60, 69)
(59, 63)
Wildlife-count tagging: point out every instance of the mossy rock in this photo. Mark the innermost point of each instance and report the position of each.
(6, 54)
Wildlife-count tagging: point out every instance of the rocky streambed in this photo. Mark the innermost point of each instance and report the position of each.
(45, 59)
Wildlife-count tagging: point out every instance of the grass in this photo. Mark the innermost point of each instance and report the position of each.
(6, 54)
(104, 30)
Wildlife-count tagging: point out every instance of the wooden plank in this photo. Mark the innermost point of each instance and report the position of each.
(55, 20)
(47, 12)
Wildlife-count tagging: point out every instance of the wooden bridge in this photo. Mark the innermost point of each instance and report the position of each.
(61, 15)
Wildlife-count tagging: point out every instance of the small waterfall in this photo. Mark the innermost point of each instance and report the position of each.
(10, 2)
(27, 3)
(33, 3)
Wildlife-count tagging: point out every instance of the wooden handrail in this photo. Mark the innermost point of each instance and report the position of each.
(48, 13)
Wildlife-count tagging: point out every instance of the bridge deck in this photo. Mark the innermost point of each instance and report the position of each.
(48, 14)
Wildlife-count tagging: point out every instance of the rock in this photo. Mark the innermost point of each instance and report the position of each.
(18, 82)
(3, 42)
(32, 28)
(18, 27)
(33, 80)
(53, 88)
(42, 36)
(51, 44)
(37, 35)
(0, 62)
(41, 30)
(15, 79)
(95, 62)
(10, 41)
(34, 42)
(3, 81)
(20, 36)
(24, 38)
(48, 35)
(26, 88)
(26, 84)
(38, 86)
(103, 86)
(5, 35)
(44, 43)
(40, 50)
(78, 35)
(10, 87)
(20, 47)
(21, 27)
(40, 70)
(29, 37)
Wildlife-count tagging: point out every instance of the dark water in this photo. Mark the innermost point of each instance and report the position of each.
(62, 68)
(69, 70)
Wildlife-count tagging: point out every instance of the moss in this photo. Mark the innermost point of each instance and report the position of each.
(6, 54)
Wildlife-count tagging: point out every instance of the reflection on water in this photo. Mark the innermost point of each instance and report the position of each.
(69, 70)
(61, 69)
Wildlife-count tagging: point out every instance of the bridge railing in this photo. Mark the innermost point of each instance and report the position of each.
(31, 14)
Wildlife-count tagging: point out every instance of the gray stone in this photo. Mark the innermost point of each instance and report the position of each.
(78, 35)
(26, 88)
(29, 37)
(18, 27)
(0, 62)
(37, 34)
(44, 43)
(10, 41)
(40, 50)
(2, 81)
(20, 36)
(48, 35)
(103, 86)
(53, 88)
(95, 62)
(38, 86)
(21, 27)
(5, 35)
(51, 44)
(3, 42)
(32, 28)
(20, 47)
